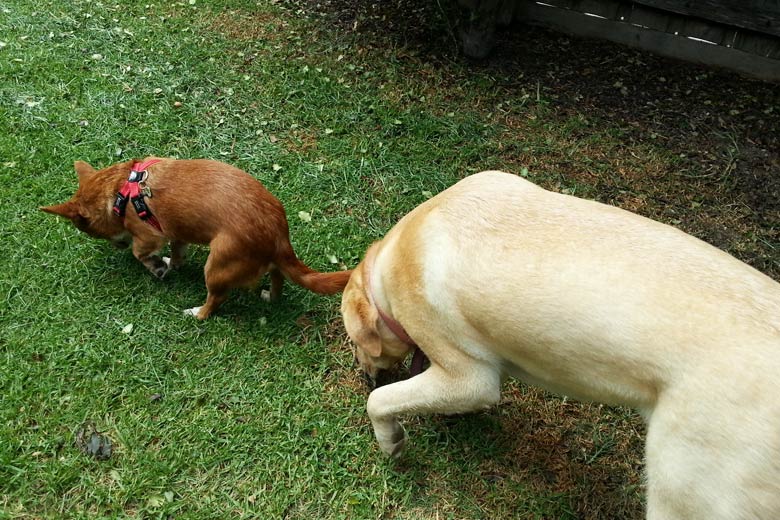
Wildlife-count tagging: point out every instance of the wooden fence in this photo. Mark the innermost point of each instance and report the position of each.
(741, 35)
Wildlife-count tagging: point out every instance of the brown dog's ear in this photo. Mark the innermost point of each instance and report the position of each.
(83, 170)
(68, 209)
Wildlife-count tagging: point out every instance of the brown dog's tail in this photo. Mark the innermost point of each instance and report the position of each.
(301, 274)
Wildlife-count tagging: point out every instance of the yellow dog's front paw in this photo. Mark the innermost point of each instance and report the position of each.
(393, 440)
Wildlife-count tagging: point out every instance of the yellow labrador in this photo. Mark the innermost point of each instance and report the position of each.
(497, 277)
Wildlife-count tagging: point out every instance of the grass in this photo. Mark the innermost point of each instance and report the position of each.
(258, 411)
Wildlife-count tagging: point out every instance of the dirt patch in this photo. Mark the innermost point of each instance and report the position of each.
(244, 26)
(722, 130)
(558, 446)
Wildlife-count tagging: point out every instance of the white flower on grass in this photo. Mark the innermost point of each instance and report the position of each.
(29, 102)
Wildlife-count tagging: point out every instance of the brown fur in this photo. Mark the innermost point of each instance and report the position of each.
(202, 202)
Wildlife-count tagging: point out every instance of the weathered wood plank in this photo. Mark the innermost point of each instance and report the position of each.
(757, 15)
(566, 4)
(659, 42)
(757, 44)
(652, 18)
(604, 8)
(703, 30)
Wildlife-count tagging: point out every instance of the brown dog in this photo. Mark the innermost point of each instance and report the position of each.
(194, 201)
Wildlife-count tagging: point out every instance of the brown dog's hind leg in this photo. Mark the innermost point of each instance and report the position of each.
(277, 283)
(225, 272)
(213, 301)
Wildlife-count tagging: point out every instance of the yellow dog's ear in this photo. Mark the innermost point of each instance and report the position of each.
(361, 319)
(68, 209)
(369, 339)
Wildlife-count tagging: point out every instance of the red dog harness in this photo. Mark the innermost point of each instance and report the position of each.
(131, 191)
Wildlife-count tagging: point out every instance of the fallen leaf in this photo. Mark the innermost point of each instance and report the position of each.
(155, 501)
(305, 216)
(276, 167)
(127, 329)
(332, 259)
(91, 442)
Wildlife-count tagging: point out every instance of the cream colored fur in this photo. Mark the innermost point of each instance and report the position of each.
(497, 277)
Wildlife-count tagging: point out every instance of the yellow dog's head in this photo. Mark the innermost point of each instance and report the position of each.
(376, 346)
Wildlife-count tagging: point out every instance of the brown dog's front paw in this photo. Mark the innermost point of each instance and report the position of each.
(173, 262)
(160, 272)
(159, 267)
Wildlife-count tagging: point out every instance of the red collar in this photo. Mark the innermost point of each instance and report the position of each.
(396, 328)
(131, 192)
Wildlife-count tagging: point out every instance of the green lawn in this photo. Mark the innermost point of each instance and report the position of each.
(258, 412)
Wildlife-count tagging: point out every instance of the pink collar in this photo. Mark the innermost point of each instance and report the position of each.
(418, 358)
(391, 322)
